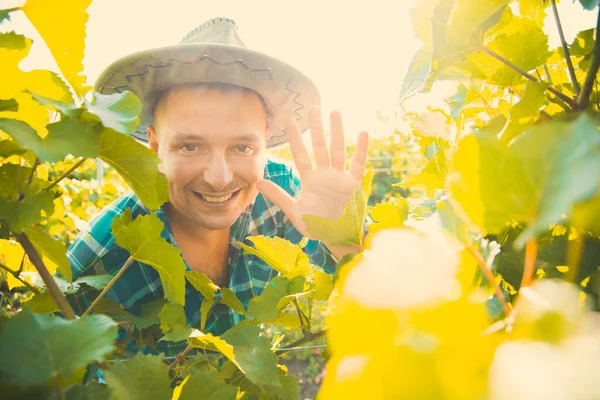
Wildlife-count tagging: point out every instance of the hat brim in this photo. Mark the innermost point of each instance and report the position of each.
(288, 92)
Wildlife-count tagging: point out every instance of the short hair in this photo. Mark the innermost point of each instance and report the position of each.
(159, 95)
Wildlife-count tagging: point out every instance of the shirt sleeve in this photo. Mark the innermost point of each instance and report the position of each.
(316, 250)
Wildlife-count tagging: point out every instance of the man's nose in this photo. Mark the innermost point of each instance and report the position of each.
(218, 173)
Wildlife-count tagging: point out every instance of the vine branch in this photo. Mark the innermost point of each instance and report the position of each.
(107, 287)
(67, 173)
(531, 249)
(565, 47)
(36, 260)
(17, 276)
(583, 99)
(308, 337)
(572, 103)
(490, 277)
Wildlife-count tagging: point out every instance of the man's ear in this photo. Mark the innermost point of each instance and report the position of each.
(152, 138)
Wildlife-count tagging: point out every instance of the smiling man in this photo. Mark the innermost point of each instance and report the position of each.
(211, 109)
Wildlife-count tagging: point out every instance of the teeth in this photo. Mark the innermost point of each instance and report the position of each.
(212, 199)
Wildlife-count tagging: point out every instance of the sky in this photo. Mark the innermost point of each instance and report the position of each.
(356, 53)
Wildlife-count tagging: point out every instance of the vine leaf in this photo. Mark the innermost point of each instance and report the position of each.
(20, 215)
(230, 299)
(526, 112)
(118, 111)
(203, 284)
(138, 165)
(171, 316)
(65, 137)
(347, 230)
(144, 376)
(141, 238)
(264, 308)
(205, 385)
(66, 41)
(47, 346)
(53, 249)
(283, 256)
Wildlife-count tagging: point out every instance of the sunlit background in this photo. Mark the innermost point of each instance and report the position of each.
(357, 54)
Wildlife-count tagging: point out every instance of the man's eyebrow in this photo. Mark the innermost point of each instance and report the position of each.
(185, 136)
(250, 137)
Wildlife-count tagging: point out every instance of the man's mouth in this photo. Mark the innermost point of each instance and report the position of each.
(217, 199)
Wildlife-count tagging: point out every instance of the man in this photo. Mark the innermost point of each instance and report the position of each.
(211, 109)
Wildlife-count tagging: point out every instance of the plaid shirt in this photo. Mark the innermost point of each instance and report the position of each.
(96, 253)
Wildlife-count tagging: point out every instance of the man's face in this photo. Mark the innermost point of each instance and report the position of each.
(211, 144)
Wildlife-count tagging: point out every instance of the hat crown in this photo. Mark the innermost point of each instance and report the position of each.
(216, 30)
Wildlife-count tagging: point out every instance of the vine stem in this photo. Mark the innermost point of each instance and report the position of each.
(531, 249)
(305, 339)
(17, 276)
(34, 257)
(572, 103)
(584, 96)
(67, 173)
(182, 355)
(565, 47)
(490, 277)
(107, 287)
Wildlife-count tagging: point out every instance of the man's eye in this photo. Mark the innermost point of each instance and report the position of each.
(189, 147)
(243, 149)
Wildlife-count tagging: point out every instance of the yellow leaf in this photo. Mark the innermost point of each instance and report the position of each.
(283, 256)
(563, 268)
(209, 342)
(66, 40)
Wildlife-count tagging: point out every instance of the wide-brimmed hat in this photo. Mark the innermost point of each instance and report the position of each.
(213, 52)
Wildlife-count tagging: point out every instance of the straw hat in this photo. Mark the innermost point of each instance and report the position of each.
(213, 52)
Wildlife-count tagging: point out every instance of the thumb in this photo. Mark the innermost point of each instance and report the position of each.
(277, 196)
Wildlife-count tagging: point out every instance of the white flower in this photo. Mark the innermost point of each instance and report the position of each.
(404, 268)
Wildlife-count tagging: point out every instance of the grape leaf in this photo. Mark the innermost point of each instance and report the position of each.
(415, 80)
(113, 310)
(323, 285)
(203, 284)
(66, 109)
(589, 4)
(97, 282)
(142, 239)
(289, 389)
(118, 111)
(177, 334)
(47, 346)
(230, 299)
(9, 148)
(468, 16)
(392, 214)
(205, 309)
(20, 215)
(585, 216)
(9, 105)
(534, 10)
(66, 41)
(264, 308)
(207, 341)
(65, 137)
(526, 112)
(53, 249)
(347, 230)
(42, 303)
(207, 386)
(283, 256)
(171, 316)
(144, 376)
(138, 165)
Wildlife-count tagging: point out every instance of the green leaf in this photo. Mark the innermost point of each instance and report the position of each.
(203, 284)
(142, 377)
(177, 334)
(91, 391)
(9, 148)
(289, 389)
(253, 354)
(432, 176)
(534, 10)
(263, 308)
(51, 248)
(118, 111)
(205, 309)
(142, 239)
(138, 165)
(230, 299)
(49, 346)
(518, 39)
(537, 179)
(585, 216)
(457, 101)
(283, 256)
(97, 282)
(13, 41)
(323, 285)
(65, 137)
(4, 15)
(113, 310)
(42, 303)
(424, 210)
(347, 230)
(207, 341)
(468, 16)
(9, 105)
(589, 4)
(171, 316)
(526, 112)
(20, 215)
(392, 214)
(415, 80)
(206, 386)
(66, 109)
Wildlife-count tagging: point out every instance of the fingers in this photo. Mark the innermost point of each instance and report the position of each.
(359, 158)
(277, 196)
(338, 146)
(301, 157)
(317, 135)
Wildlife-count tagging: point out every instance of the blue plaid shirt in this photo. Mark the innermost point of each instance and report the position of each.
(96, 253)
